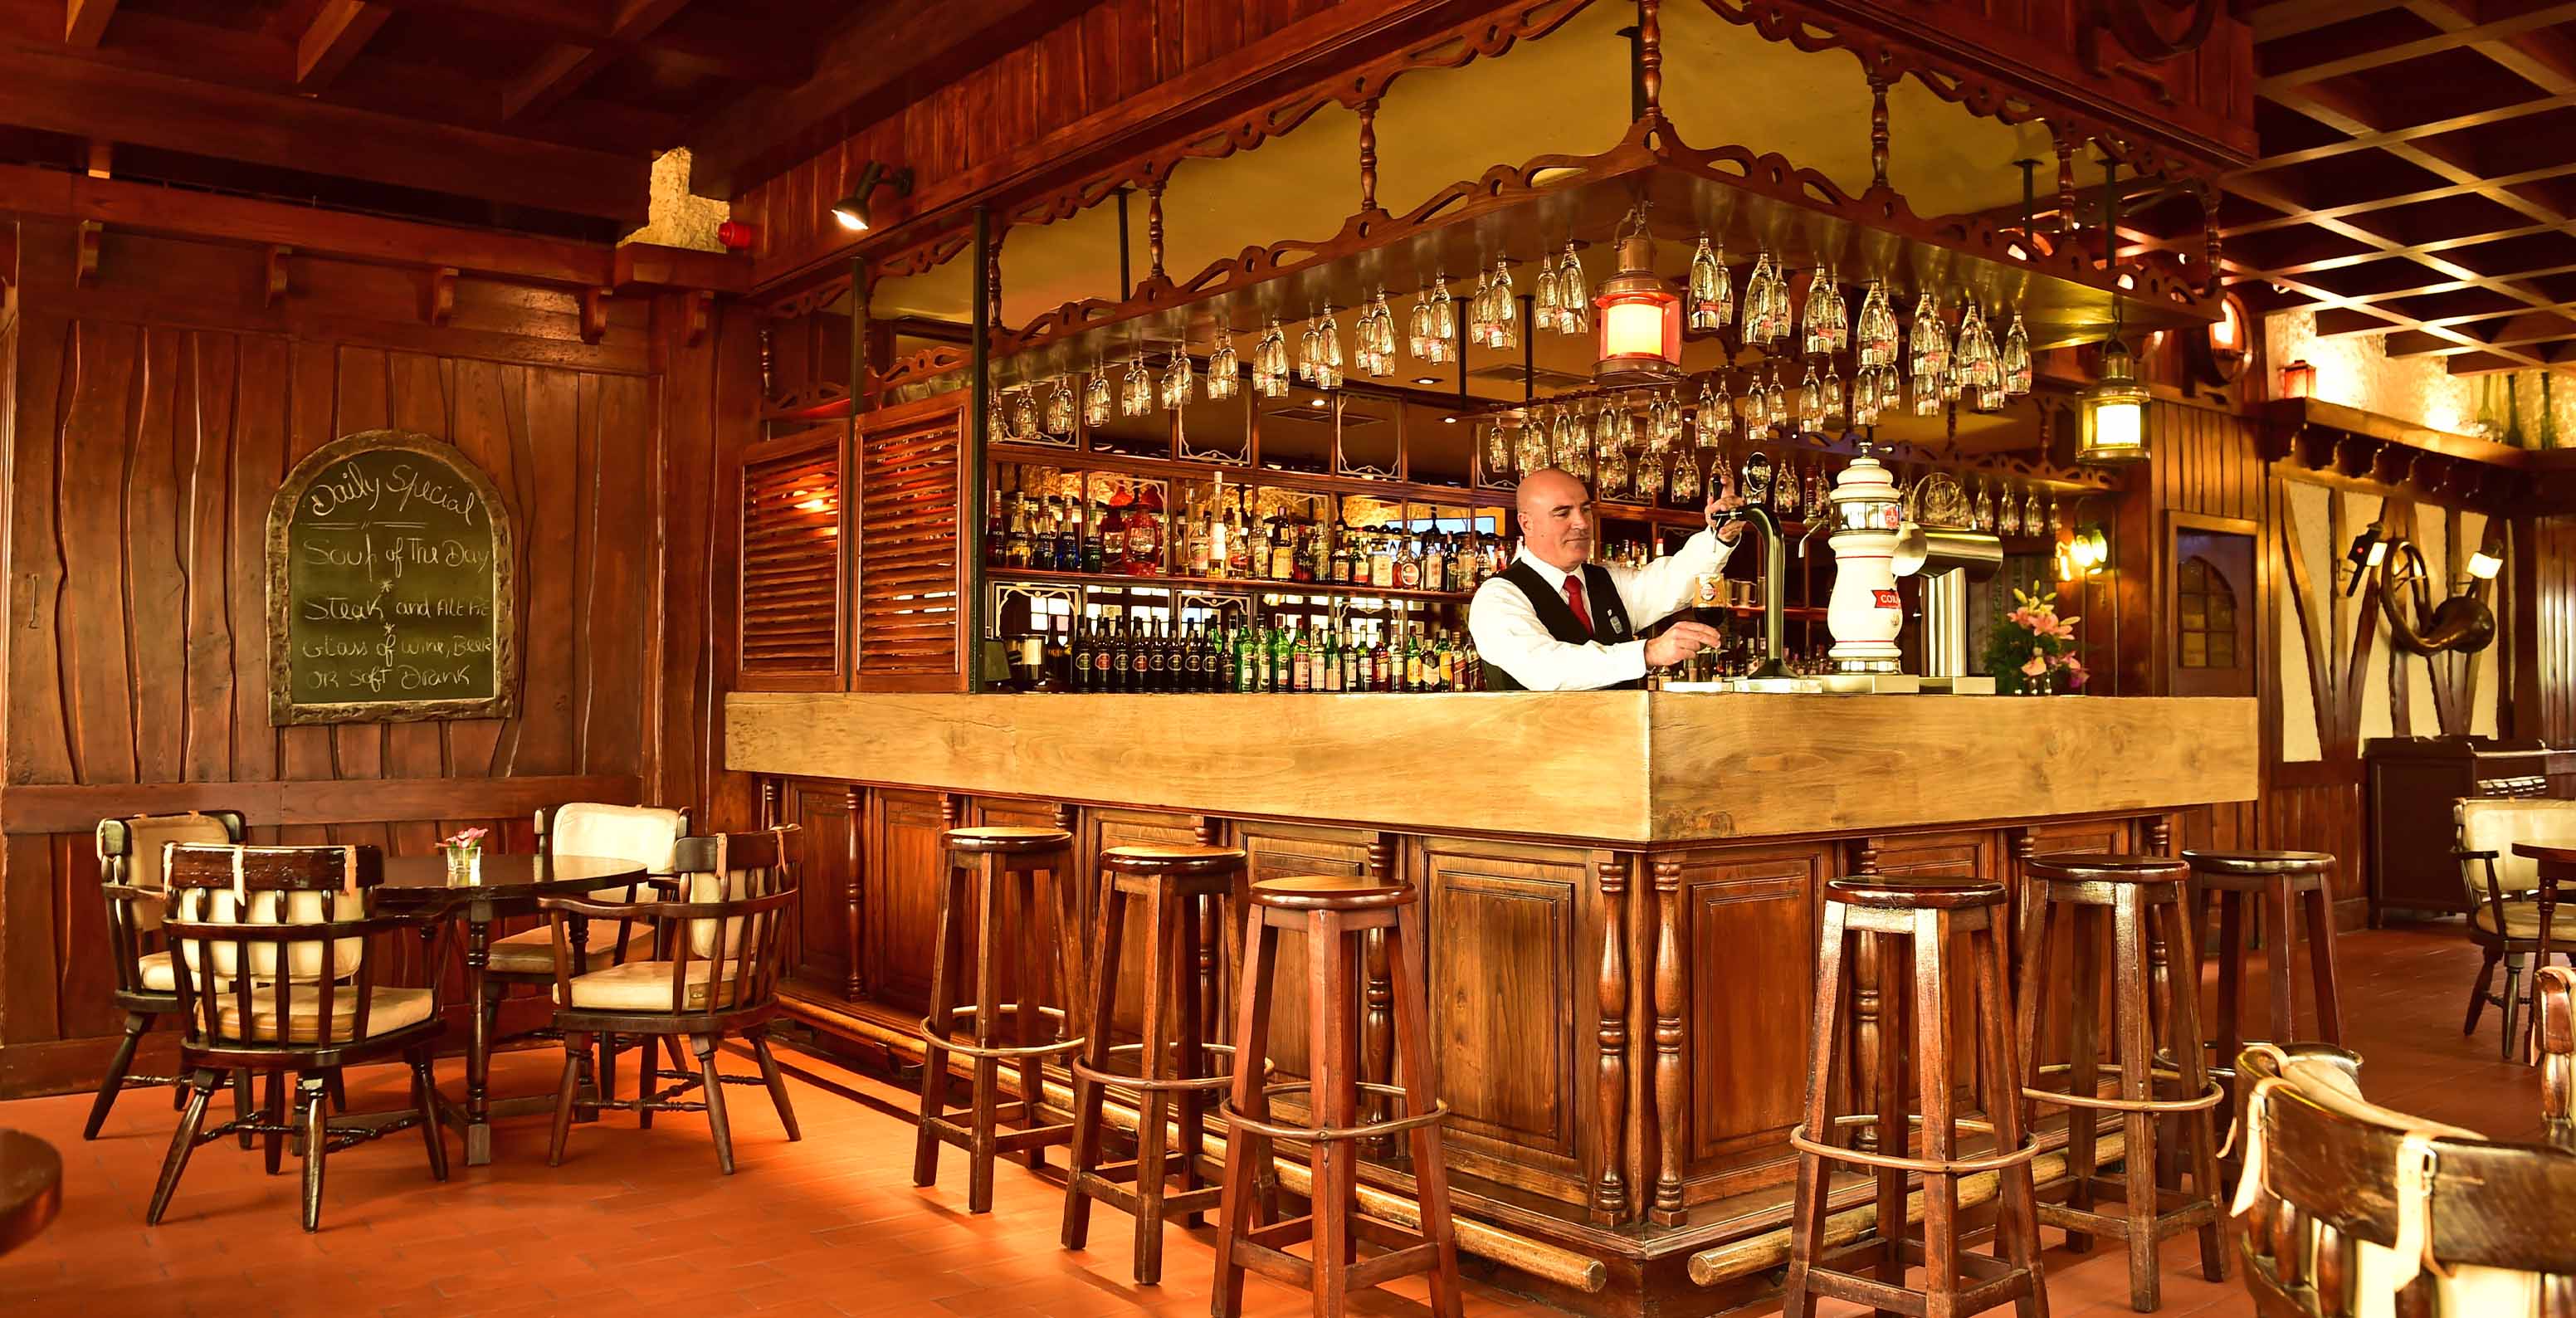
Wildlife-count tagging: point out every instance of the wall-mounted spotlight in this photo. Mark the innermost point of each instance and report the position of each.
(2083, 555)
(2369, 549)
(852, 210)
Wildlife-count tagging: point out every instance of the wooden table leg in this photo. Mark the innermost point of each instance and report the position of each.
(2539, 962)
(478, 1045)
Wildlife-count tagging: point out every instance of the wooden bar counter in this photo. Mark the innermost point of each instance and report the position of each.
(1622, 893)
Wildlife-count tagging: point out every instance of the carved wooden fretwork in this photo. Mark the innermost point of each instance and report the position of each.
(2406, 461)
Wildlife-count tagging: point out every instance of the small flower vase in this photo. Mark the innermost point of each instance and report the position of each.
(2043, 685)
(464, 863)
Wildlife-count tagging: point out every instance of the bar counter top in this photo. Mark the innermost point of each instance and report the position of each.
(1618, 767)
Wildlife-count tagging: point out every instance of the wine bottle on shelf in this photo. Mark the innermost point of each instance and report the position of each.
(996, 537)
(1082, 657)
(1433, 562)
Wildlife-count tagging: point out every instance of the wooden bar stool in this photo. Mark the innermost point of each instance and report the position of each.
(985, 867)
(1179, 884)
(1336, 912)
(2276, 879)
(1901, 921)
(2065, 902)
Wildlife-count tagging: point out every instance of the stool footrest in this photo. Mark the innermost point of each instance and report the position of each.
(1996, 1283)
(2116, 1225)
(933, 1036)
(1107, 1185)
(1929, 1166)
(947, 1129)
(2210, 1096)
(1285, 1131)
(1083, 1070)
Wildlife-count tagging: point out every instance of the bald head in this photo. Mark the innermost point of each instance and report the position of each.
(1556, 518)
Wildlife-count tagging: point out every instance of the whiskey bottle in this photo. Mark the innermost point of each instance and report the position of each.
(1434, 563)
(996, 539)
(1082, 657)
(1408, 566)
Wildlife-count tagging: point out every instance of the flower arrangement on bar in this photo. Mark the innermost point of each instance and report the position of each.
(2032, 651)
(464, 852)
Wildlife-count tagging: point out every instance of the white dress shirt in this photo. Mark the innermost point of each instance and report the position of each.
(1508, 632)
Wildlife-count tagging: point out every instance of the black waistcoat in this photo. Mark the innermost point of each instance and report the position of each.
(1600, 599)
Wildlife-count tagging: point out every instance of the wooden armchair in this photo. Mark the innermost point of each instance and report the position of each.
(2352, 1209)
(274, 961)
(129, 874)
(2557, 1055)
(2504, 919)
(715, 973)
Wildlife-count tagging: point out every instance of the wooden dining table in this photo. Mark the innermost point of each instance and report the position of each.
(2555, 864)
(501, 886)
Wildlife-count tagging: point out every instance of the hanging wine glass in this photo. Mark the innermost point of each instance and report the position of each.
(2056, 522)
(1270, 363)
(1059, 406)
(1224, 369)
(1614, 471)
(1328, 366)
(1544, 304)
(1309, 352)
(1097, 400)
(1984, 513)
(1775, 402)
(1712, 296)
(2033, 522)
(1505, 328)
(1815, 331)
(997, 419)
(1498, 447)
(2015, 361)
(1420, 340)
(1811, 401)
(2007, 514)
(1756, 327)
(1024, 413)
(1136, 388)
(1931, 344)
(1685, 477)
(1480, 311)
(1574, 296)
(1444, 317)
(1878, 340)
(1837, 314)
(1179, 386)
(1833, 386)
(1532, 451)
(1650, 477)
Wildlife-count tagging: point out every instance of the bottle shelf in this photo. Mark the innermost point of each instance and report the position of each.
(1226, 585)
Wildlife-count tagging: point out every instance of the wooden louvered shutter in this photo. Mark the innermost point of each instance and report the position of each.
(911, 573)
(791, 562)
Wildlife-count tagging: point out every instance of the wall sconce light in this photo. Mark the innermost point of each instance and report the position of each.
(2083, 555)
(735, 235)
(2299, 380)
(852, 210)
(2461, 624)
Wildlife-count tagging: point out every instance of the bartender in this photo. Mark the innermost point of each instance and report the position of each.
(1557, 621)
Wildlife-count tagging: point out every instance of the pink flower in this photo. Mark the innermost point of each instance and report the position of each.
(472, 837)
(2038, 664)
(2075, 677)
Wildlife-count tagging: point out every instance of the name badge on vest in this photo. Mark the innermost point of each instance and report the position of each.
(1617, 627)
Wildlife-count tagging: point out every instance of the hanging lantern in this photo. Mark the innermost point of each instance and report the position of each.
(2115, 412)
(1641, 317)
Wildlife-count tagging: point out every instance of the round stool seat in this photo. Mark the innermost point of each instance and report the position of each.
(1005, 839)
(1329, 892)
(2259, 864)
(1917, 895)
(2103, 867)
(1180, 860)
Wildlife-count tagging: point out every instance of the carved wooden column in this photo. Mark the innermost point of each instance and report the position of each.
(1878, 82)
(1610, 1191)
(1377, 1009)
(1862, 1082)
(854, 984)
(1650, 57)
(1671, 1100)
(2207, 192)
(1368, 155)
(1209, 831)
(1154, 231)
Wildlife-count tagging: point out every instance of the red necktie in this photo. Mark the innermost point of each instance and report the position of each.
(1574, 600)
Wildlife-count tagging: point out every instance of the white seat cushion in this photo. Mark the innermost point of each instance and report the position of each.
(392, 1009)
(532, 952)
(646, 986)
(641, 834)
(156, 972)
(2489, 823)
(145, 836)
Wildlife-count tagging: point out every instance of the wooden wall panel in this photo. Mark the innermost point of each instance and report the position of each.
(143, 455)
(2553, 554)
(1750, 930)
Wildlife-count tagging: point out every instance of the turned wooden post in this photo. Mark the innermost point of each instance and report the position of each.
(1610, 1189)
(1862, 1083)
(1671, 1098)
(854, 984)
(1650, 57)
(1377, 1006)
(1368, 155)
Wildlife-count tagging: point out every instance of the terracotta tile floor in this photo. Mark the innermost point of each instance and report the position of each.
(640, 1221)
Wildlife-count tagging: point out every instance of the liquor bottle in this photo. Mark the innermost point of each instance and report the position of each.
(996, 539)
(1281, 566)
(1167, 658)
(1381, 561)
(1220, 543)
(1015, 538)
(1354, 660)
(1310, 552)
(1434, 563)
(1329, 676)
(1448, 680)
(1113, 530)
(1408, 566)
(1784, 492)
(1818, 502)
(1082, 657)
(1339, 565)
(1301, 663)
(1239, 547)
(1202, 658)
(1471, 670)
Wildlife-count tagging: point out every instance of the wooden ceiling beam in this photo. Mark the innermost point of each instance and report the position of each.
(562, 70)
(333, 38)
(85, 21)
(2454, 37)
(2292, 17)
(54, 91)
(863, 72)
(2529, 50)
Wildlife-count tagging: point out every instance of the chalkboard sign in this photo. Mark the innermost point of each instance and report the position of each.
(391, 589)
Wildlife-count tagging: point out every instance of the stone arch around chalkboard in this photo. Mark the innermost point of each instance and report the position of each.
(392, 586)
